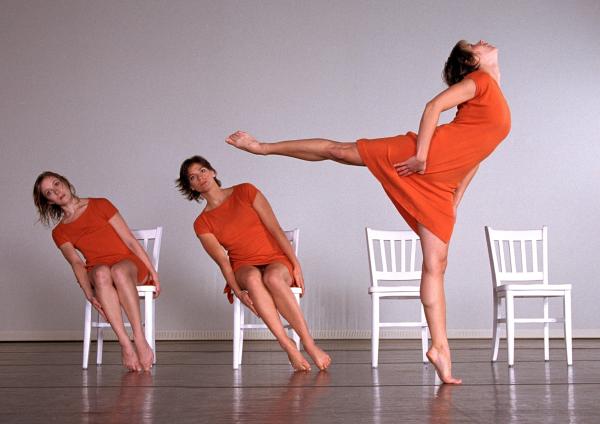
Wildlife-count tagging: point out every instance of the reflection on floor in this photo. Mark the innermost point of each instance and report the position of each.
(193, 382)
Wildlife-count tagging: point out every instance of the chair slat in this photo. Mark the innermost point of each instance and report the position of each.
(383, 256)
(393, 255)
(511, 250)
(534, 255)
(413, 254)
(523, 256)
(402, 255)
(502, 259)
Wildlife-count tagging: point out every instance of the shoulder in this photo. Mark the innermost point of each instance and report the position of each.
(58, 235)
(201, 225)
(104, 206)
(481, 80)
(246, 191)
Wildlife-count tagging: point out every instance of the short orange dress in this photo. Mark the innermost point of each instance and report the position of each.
(238, 228)
(456, 148)
(96, 239)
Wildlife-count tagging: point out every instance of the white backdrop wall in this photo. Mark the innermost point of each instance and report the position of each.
(115, 94)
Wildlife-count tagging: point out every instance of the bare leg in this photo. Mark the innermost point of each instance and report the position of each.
(250, 278)
(124, 275)
(314, 149)
(109, 299)
(277, 280)
(435, 254)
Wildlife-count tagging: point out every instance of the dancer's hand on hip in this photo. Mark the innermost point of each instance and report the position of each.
(410, 166)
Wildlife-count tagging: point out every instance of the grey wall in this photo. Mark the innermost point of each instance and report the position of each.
(116, 94)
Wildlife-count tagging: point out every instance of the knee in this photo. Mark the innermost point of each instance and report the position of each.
(273, 281)
(435, 266)
(120, 274)
(101, 276)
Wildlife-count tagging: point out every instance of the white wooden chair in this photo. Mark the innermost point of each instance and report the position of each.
(145, 292)
(519, 265)
(393, 257)
(239, 322)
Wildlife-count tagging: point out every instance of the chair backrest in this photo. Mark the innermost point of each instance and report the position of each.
(150, 238)
(293, 236)
(393, 255)
(518, 256)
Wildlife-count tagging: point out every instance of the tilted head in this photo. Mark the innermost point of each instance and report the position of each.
(196, 175)
(50, 192)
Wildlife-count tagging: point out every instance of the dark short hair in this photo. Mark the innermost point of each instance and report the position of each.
(183, 182)
(460, 63)
(49, 214)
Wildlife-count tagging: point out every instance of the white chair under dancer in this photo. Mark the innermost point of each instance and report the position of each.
(146, 292)
(519, 265)
(239, 322)
(393, 257)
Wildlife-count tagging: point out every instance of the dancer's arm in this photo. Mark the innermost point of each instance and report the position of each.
(460, 190)
(217, 253)
(81, 275)
(120, 226)
(265, 212)
(447, 99)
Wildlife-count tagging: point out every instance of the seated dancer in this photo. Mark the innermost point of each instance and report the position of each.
(239, 230)
(114, 260)
(425, 175)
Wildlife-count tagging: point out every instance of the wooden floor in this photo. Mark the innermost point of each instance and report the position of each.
(193, 382)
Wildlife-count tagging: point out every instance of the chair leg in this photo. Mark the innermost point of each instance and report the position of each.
(242, 323)
(148, 313)
(236, 333)
(154, 327)
(87, 333)
(424, 339)
(295, 336)
(99, 343)
(375, 331)
(510, 328)
(568, 329)
(546, 332)
(495, 332)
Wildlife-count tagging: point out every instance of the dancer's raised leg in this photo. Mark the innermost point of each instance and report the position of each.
(107, 295)
(277, 280)
(312, 149)
(435, 254)
(250, 278)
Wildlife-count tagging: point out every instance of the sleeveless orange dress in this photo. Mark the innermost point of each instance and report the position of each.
(238, 228)
(96, 239)
(456, 148)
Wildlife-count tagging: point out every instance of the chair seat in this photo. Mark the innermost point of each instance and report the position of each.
(394, 289)
(296, 290)
(533, 287)
(146, 288)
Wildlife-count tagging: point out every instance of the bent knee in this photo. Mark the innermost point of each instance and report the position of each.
(120, 273)
(275, 280)
(101, 275)
(436, 266)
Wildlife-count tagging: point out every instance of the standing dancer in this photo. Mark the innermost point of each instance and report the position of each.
(260, 265)
(114, 260)
(426, 175)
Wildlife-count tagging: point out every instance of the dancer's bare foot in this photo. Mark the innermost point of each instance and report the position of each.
(130, 359)
(321, 359)
(245, 141)
(443, 365)
(296, 359)
(145, 353)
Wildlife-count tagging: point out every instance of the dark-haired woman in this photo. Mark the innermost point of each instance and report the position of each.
(239, 230)
(114, 261)
(425, 175)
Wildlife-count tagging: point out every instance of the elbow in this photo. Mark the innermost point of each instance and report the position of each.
(432, 107)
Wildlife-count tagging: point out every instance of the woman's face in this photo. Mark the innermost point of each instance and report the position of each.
(55, 191)
(200, 178)
(484, 52)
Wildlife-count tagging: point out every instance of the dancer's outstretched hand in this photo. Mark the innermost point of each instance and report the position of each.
(244, 141)
(410, 166)
(245, 299)
(299, 278)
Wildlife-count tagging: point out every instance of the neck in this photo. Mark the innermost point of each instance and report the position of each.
(493, 70)
(214, 197)
(71, 206)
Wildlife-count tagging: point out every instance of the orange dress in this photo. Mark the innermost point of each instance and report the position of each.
(238, 228)
(96, 239)
(456, 148)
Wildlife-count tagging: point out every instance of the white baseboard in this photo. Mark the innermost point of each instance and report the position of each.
(265, 335)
